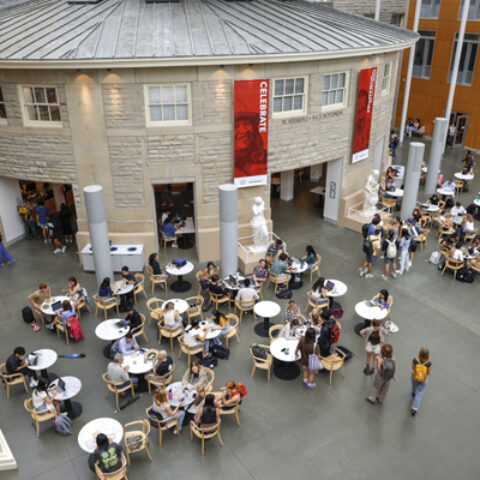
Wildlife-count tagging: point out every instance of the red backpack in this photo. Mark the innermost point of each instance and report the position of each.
(242, 389)
(334, 334)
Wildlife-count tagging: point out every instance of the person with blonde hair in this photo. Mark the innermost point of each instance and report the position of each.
(162, 408)
(421, 368)
(171, 318)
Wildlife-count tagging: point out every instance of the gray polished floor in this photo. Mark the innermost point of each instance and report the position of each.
(286, 432)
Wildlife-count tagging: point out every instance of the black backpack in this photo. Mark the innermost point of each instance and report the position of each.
(220, 352)
(367, 247)
(285, 294)
(365, 229)
(348, 353)
(210, 361)
(27, 315)
(466, 275)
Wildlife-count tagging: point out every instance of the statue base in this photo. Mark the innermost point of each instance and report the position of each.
(256, 250)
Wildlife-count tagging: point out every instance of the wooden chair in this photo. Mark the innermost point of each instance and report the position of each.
(160, 382)
(140, 286)
(119, 474)
(62, 328)
(458, 186)
(105, 306)
(141, 329)
(258, 289)
(170, 423)
(136, 439)
(232, 411)
(156, 280)
(38, 417)
(39, 314)
(422, 238)
(315, 267)
(189, 351)
(115, 388)
(170, 333)
(10, 379)
(452, 264)
(198, 276)
(205, 434)
(164, 240)
(469, 236)
(195, 308)
(334, 362)
(154, 306)
(274, 331)
(245, 306)
(234, 322)
(278, 280)
(315, 302)
(262, 363)
(219, 299)
(82, 303)
(211, 378)
(391, 203)
(474, 266)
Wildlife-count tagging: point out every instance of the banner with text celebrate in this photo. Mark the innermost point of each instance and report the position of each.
(363, 118)
(251, 98)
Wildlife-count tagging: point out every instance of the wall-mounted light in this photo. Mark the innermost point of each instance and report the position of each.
(250, 64)
(222, 66)
(79, 70)
(109, 70)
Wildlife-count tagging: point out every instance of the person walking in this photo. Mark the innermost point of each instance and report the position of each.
(385, 371)
(4, 255)
(421, 368)
(404, 251)
(310, 357)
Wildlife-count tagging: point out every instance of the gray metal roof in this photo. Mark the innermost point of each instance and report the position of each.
(55, 30)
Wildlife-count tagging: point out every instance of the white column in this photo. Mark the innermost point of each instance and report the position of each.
(333, 186)
(97, 224)
(286, 185)
(412, 178)
(228, 203)
(377, 10)
(436, 151)
(10, 197)
(458, 52)
(406, 94)
(316, 172)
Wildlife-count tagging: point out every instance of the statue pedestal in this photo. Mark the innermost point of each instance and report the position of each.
(7, 460)
(256, 250)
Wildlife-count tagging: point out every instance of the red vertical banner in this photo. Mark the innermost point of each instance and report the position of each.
(251, 101)
(363, 118)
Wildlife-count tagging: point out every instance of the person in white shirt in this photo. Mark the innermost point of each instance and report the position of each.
(43, 398)
(247, 294)
(456, 252)
(290, 330)
(195, 335)
(171, 318)
(458, 210)
(127, 345)
(118, 374)
(449, 184)
(466, 227)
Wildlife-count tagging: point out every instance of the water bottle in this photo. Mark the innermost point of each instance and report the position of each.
(170, 395)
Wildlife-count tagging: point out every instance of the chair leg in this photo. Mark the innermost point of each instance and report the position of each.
(226, 342)
(25, 385)
(171, 343)
(219, 438)
(148, 452)
(149, 386)
(116, 399)
(331, 375)
(268, 375)
(203, 446)
(128, 456)
(237, 417)
(238, 338)
(160, 436)
(38, 428)
(145, 336)
(253, 370)
(105, 313)
(7, 386)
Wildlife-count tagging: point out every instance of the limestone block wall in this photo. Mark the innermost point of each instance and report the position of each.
(363, 7)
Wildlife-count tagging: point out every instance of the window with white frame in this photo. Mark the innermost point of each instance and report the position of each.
(430, 9)
(289, 95)
(41, 105)
(168, 104)
(334, 91)
(3, 111)
(422, 60)
(473, 10)
(387, 74)
(468, 57)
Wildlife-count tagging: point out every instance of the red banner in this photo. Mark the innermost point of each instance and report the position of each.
(251, 99)
(363, 119)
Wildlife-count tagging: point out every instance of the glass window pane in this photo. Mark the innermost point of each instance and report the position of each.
(181, 94)
(155, 114)
(297, 102)
(289, 86)
(28, 94)
(43, 112)
(55, 113)
(429, 52)
(32, 113)
(167, 95)
(472, 57)
(299, 85)
(1, 95)
(331, 97)
(51, 95)
(462, 57)
(3, 112)
(278, 87)
(40, 95)
(324, 98)
(153, 95)
(339, 96)
(287, 103)
(277, 104)
(326, 82)
(182, 112)
(334, 81)
(343, 77)
(168, 112)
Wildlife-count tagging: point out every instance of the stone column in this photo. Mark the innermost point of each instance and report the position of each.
(97, 224)
(287, 184)
(412, 178)
(436, 151)
(228, 203)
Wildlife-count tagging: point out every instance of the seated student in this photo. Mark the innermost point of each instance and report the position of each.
(156, 269)
(433, 200)
(448, 241)
(382, 187)
(107, 455)
(209, 271)
(219, 319)
(417, 217)
(458, 210)
(291, 311)
(215, 285)
(383, 299)
(195, 336)
(41, 295)
(456, 252)
(314, 319)
(168, 229)
(105, 291)
(74, 290)
(16, 363)
(118, 374)
(467, 226)
(43, 398)
(208, 415)
(446, 221)
(230, 397)
(390, 178)
(65, 314)
(171, 318)
(247, 294)
(161, 365)
(260, 273)
(195, 377)
(128, 276)
(133, 319)
(310, 258)
(274, 250)
(163, 411)
(128, 344)
(449, 184)
(290, 329)
(279, 265)
(319, 291)
(468, 162)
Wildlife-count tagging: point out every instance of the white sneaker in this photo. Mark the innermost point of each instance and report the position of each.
(174, 246)
(363, 272)
(399, 272)
(64, 249)
(394, 275)
(49, 240)
(45, 241)
(58, 250)
(408, 267)
(369, 275)
(33, 383)
(384, 277)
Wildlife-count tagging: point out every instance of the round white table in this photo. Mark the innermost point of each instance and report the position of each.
(430, 208)
(296, 269)
(267, 310)
(46, 307)
(397, 193)
(180, 285)
(446, 191)
(211, 329)
(364, 310)
(178, 394)
(338, 290)
(465, 177)
(136, 362)
(73, 385)
(180, 305)
(283, 350)
(110, 331)
(46, 358)
(87, 436)
(121, 287)
(239, 283)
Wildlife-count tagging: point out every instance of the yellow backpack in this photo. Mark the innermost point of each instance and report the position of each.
(420, 371)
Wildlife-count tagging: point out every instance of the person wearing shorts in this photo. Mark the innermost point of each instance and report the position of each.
(42, 212)
(371, 258)
(374, 337)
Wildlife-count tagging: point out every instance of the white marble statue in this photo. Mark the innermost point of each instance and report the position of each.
(259, 226)
(370, 193)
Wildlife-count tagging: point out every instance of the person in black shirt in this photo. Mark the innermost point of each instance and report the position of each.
(108, 456)
(16, 363)
(133, 318)
(162, 364)
(128, 276)
(214, 285)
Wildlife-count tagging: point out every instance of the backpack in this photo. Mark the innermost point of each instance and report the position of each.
(435, 257)
(284, 294)
(334, 334)
(365, 229)
(466, 275)
(27, 315)
(367, 247)
(391, 249)
(387, 369)
(63, 425)
(242, 389)
(259, 352)
(348, 353)
(420, 371)
(179, 262)
(210, 361)
(220, 352)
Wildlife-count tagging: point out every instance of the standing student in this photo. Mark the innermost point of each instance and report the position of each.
(371, 248)
(65, 218)
(374, 337)
(42, 213)
(404, 251)
(4, 255)
(389, 248)
(308, 346)
(421, 368)
(385, 370)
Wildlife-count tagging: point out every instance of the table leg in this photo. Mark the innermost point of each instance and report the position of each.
(107, 350)
(296, 281)
(262, 328)
(181, 285)
(49, 376)
(285, 370)
(73, 409)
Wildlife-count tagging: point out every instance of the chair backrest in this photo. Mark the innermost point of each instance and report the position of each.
(274, 329)
(154, 303)
(233, 320)
(149, 269)
(145, 426)
(205, 433)
(3, 370)
(140, 278)
(258, 359)
(245, 304)
(211, 378)
(28, 405)
(117, 474)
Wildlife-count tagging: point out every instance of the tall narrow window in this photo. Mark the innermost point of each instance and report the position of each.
(3, 112)
(468, 57)
(422, 61)
(41, 105)
(387, 73)
(473, 10)
(334, 92)
(430, 9)
(397, 19)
